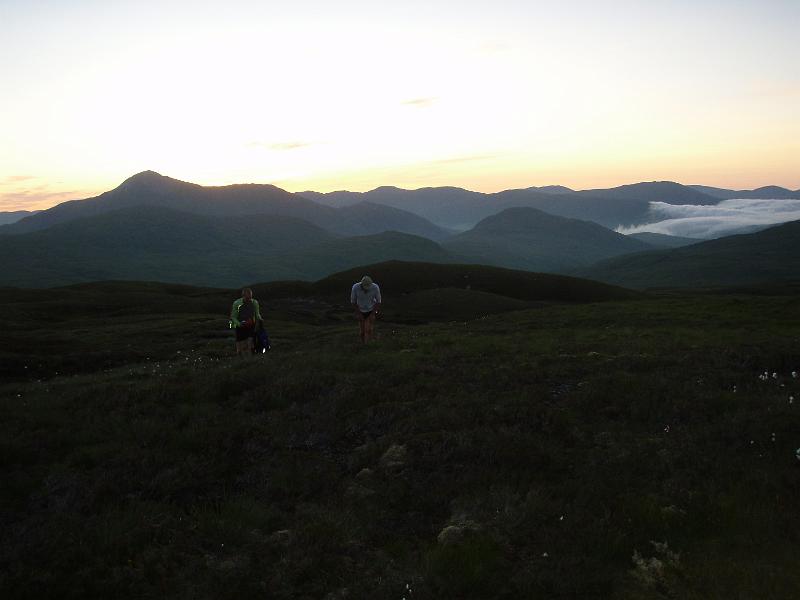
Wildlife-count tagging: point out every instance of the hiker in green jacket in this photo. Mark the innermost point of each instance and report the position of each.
(245, 315)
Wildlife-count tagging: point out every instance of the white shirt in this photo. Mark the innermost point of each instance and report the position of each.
(366, 300)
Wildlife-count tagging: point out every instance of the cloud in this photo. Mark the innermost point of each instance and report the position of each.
(420, 102)
(37, 198)
(14, 179)
(722, 219)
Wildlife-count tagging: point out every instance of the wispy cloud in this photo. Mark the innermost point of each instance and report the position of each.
(15, 179)
(37, 198)
(716, 221)
(420, 102)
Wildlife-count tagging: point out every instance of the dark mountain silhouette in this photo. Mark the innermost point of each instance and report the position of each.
(654, 191)
(661, 240)
(527, 238)
(449, 207)
(608, 212)
(460, 209)
(162, 244)
(6, 218)
(155, 243)
(368, 217)
(621, 206)
(771, 255)
(553, 189)
(151, 189)
(769, 192)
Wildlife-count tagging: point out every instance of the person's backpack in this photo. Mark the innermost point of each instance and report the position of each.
(260, 339)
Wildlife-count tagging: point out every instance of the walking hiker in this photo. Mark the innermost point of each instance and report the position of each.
(365, 296)
(245, 316)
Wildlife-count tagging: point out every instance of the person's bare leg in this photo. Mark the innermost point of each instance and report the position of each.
(369, 327)
(244, 348)
(362, 329)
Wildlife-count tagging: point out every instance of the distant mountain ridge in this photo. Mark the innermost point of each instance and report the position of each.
(769, 192)
(152, 189)
(6, 218)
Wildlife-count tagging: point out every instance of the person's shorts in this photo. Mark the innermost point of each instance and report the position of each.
(367, 315)
(244, 333)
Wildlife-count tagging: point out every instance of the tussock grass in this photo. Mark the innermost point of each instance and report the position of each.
(569, 442)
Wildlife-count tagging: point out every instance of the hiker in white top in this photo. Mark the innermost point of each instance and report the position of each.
(365, 296)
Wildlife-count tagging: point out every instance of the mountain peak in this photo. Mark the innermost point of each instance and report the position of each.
(152, 182)
(144, 177)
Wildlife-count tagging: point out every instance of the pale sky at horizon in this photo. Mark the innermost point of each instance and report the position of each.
(308, 95)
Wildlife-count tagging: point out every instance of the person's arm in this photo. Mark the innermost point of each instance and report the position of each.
(378, 299)
(257, 311)
(353, 301)
(235, 315)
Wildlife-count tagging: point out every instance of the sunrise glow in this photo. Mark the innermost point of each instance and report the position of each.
(352, 95)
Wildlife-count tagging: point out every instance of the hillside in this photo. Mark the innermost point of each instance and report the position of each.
(8, 217)
(331, 256)
(160, 244)
(449, 207)
(771, 255)
(661, 240)
(625, 449)
(526, 238)
(368, 217)
(152, 189)
(655, 191)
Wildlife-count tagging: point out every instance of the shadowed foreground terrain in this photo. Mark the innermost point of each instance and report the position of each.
(624, 449)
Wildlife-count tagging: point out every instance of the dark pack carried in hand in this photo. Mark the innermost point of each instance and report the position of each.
(260, 340)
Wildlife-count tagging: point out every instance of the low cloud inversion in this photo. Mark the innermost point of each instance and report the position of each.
(722, 219)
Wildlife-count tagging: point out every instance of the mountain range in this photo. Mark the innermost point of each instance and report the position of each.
(153, 227)
(152, 189)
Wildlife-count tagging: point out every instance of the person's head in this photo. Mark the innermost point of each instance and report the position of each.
(247, 294)
(366, 282)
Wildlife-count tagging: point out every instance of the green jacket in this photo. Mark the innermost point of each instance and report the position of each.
(235, 312)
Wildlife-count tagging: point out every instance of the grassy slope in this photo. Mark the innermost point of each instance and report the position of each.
(527, 238)
(166, 245)
(563, 439)
(766, 256)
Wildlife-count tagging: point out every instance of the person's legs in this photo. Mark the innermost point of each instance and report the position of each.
(369, 327)
(244, 342)
(362, 328)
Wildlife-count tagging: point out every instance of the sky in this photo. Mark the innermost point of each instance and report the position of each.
(319, 95)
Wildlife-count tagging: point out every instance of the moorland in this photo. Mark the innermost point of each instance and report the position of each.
(509, 435)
